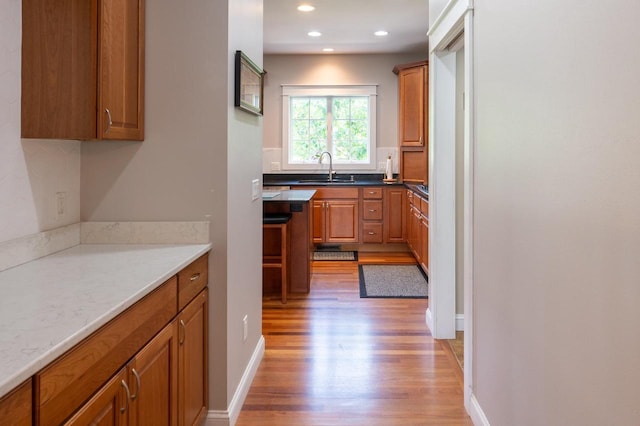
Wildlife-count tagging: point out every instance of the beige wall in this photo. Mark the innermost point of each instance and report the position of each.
(333, 70)
(32, 171)
(557, 196)
(196, 163)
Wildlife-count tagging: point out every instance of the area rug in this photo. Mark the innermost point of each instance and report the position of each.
(393, 281)
(335, 255)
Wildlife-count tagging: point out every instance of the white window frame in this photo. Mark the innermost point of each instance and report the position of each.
(336, 91)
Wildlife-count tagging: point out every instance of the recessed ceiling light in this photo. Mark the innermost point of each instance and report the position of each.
(306, 8)
(328, 49)
(381, 33)
(314, 33)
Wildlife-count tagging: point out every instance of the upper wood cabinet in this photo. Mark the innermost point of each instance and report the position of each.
(83, 69)
(413, 121)
(412, 97)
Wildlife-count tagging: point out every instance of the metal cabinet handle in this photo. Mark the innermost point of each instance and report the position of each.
(183, 332)
(372, 210)
(126, 401)
(372, 233)
(137, 376)
(420, 140)
(195, 276)
(110, 123)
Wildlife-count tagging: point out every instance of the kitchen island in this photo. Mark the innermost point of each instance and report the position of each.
(297, 203)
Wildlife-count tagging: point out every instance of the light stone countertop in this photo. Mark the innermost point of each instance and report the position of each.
(50, 304)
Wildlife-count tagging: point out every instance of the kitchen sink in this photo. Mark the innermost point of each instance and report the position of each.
(326, 180)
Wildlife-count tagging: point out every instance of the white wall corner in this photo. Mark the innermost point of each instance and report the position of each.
(230, 416)
(475, 412)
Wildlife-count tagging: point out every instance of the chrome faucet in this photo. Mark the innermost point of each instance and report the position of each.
(331, 171)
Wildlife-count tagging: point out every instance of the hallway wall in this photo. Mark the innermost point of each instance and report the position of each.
(557, 235)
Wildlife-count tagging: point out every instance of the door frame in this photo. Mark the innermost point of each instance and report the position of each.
(455, 20)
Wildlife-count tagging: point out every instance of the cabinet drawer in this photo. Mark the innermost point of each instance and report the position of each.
(66, 383)
(372, 209)
(192, 279)
(424, 207)
(15, 408)
(372, 192)
(372, 233)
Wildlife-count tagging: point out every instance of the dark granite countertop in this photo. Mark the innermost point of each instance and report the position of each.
(341, 179)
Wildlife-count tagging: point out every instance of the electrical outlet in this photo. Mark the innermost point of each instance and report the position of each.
(275, 166)
(61, 203)
(245, 328)
(382, 165)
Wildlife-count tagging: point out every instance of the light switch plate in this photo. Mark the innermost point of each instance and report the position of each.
(255, 189)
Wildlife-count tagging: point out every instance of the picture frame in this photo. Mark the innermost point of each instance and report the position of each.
(249, 85)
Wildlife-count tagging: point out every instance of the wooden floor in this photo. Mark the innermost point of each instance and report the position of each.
(333, 358)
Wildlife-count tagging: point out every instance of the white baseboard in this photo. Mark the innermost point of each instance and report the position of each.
(475, 412)
(459, 322)
(230, 416)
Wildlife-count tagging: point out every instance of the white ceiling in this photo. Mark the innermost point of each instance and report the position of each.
(346, 25)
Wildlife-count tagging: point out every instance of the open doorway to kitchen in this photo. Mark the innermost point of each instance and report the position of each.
(452, 132)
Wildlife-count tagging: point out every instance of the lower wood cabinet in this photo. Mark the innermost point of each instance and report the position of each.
(418, 228)
(15, 408)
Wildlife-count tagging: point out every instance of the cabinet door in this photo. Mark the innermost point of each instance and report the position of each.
(394, 222)
(59, 49)
(192, 361)
(108, 407)
(424, 243)
(414, 232)
(153, 381)
(15, 408)
(342, 221)
(412, 106)
(121, 70)
(318, 218)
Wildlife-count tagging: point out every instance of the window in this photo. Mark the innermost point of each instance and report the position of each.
(338, 119)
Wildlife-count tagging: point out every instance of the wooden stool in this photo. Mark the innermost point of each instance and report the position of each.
(280, 259)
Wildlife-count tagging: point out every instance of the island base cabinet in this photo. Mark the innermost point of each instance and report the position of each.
(15, 408)
(192, 361)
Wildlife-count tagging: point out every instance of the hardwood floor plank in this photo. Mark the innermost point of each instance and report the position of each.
(332, 358)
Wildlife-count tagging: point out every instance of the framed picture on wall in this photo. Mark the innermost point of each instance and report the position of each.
(249, 85)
